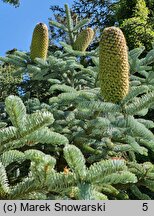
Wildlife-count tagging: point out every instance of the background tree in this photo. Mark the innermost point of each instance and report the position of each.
(137, 28)
(14, 2)
(100, 13)
(134, 17)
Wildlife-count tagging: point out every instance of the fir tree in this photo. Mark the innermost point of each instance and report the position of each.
(75, 144)
(138, 30)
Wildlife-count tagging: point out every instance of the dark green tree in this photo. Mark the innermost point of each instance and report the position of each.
(99, 12)
(134, 17)
(137, 28)
(150, 5)
(14, 2)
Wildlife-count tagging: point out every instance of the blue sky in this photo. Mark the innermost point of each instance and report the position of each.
(17, 24)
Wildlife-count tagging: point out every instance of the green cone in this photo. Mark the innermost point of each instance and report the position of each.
(83, 40)
(113, 65)
(40, 40)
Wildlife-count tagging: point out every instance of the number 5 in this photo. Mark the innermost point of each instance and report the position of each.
(145, 207)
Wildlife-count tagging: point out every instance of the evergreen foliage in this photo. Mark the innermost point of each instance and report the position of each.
(8, 82)
(134, 17)
(16, 3)
(137, 28)
(68, 142)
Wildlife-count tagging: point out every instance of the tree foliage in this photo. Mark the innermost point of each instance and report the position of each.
(134, 17)
(14, 2)
(138, 30)
(69, 143)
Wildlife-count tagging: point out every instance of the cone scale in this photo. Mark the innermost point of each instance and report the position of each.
(40, 40)
(113, 65)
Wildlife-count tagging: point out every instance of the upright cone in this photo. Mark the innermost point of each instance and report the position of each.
(40, 40)
(83, 40)
(113, 65)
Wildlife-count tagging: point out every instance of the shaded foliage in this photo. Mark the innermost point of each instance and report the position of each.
(16, 3)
